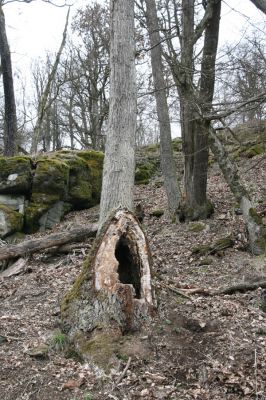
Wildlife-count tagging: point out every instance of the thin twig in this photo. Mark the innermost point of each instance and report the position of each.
(121, 377)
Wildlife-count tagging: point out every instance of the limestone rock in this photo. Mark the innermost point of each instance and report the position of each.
(15, 175)
(10, 221)
(15, 202)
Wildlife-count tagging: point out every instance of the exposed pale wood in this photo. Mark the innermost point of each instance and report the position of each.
(114, 289)
(56, 239)
(121, 377)
(17, 268)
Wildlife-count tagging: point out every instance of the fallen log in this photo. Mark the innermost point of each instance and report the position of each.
(241, 287)
(45, 242)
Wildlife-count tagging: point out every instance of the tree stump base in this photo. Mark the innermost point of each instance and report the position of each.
(113, 294)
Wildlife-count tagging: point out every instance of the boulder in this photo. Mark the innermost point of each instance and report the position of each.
(46, 188)
(15, 202)
(51, 177)
(79, 193)
(10, 221)
(94, 161)
(15, 175)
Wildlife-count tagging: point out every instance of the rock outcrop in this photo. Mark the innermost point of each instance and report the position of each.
(36, 193)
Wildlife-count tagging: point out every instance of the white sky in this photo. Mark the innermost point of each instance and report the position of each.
(37, 27)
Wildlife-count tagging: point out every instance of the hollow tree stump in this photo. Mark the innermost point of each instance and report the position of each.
(113, 294)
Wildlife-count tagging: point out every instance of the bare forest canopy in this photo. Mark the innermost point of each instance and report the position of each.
(77, 105)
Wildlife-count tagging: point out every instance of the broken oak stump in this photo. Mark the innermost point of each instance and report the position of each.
(113, 295)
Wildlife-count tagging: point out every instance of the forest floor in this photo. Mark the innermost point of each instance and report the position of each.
(199, 347)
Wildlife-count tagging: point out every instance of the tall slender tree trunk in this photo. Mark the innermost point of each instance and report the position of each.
(194, 127)
(119, 161)
(10, 133)
(167, 159)
(256, 227)
(113, 295)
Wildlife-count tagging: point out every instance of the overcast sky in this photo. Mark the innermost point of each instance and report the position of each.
(37, 27)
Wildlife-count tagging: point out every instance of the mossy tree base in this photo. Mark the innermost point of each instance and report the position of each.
(196, 212)
(113, 295)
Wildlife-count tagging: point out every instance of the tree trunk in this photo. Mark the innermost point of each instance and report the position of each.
(195, 147)
(194, 127)
(119, 161)
(10, 127)
(167, 159)
(113, 294)
(260, 4)
(255, 227)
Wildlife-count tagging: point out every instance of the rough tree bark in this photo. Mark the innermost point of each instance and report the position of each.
(10, 133)
(119, 161)
(113, 294)
(167, 159)
(194, 126)
(255, 227)
(57, 239)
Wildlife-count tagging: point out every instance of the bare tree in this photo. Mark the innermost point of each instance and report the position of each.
(44, 104)
(195, 90)
(10, 125)
(119, 297)
(167, 160)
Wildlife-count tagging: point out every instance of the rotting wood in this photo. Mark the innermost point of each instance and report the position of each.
(45, 242)
(15, 269)
(113, 295)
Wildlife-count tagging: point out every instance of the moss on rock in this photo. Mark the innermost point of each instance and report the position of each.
(144, 172)
(255, 150)
(10, 221)
(157, 213)
(94, 161)
(15, 175)
(51, 177)
(196, 226)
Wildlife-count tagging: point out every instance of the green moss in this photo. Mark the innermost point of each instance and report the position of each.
(33, 213)
(212, 248)
(15, 165)
(94, 160)
(101, 348)
(196, 213)
(14, 219)
(151, 148)
(202, 249)
(177, 144)
(144, 172)
(206, 261)
(254, 150)
(157, 213)
(51, 176)
(196, 227)
(75, 291)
